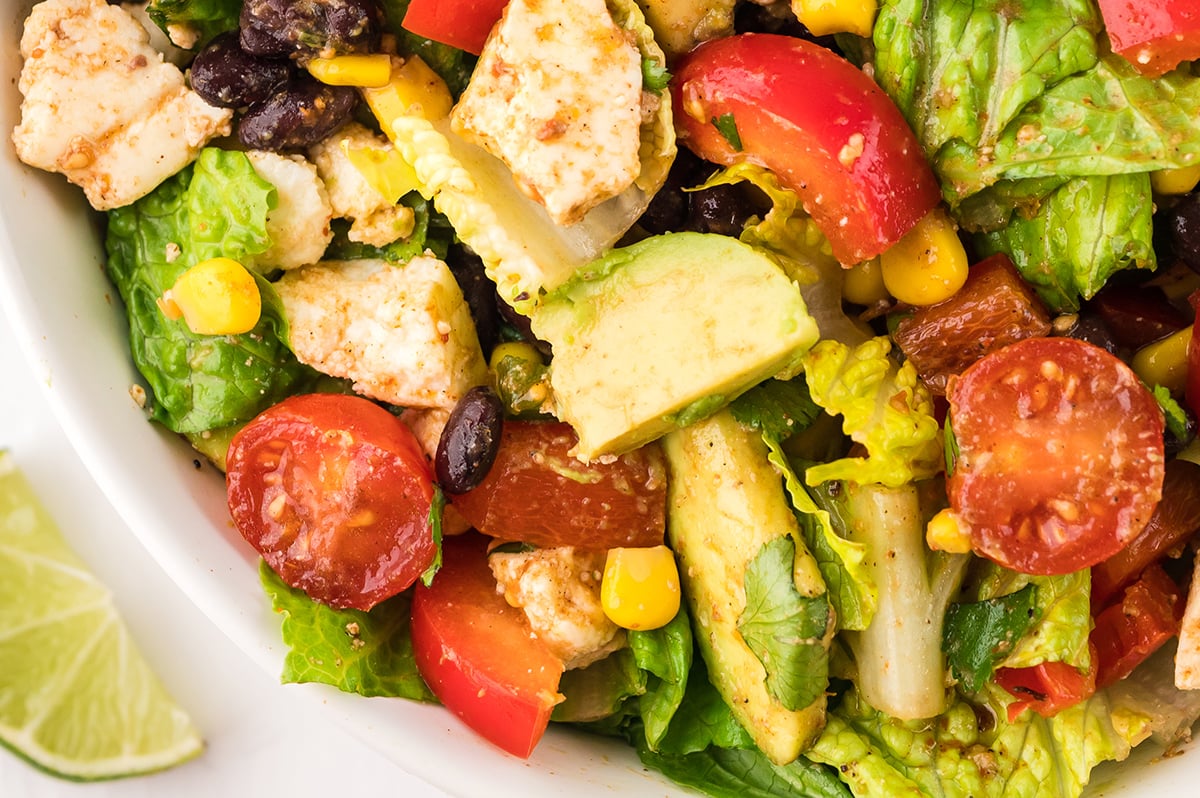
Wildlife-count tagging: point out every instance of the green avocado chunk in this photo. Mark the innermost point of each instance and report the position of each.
(664, 332)
(727, 508)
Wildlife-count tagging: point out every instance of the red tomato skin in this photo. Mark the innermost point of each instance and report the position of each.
(843, 146)
(1130, 630)
(334, 492)
(1047, 689)
(537, 492)
(1153, 35)
(1060, 455)
(478, 654)
(464, 24)
(1175, 519)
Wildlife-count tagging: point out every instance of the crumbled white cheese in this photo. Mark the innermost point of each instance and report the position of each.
(559, 590)
(557, 95)
(102, 107)
(298, 225)
(377, 324)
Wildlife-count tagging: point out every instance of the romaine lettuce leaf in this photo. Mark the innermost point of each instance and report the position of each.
(199, 382)
(954, 758)
(884, 406)
(369, 653)
(1085, 231)
(780, 409)
(1062, 607)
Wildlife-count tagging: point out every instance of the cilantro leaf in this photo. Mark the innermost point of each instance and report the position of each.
(979, 635)
(776, 408)
(727, 127)
(783, 628)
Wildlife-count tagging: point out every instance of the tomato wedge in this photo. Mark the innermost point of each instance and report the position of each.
(1153, 35)
(538, 493)
(1132, 629)
(464, 24)
(819, 123)
(1047, 689)
(334, 492)
(478, 654)
(1060, 455)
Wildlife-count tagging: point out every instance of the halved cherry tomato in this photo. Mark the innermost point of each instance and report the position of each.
(538, 493)
(1175, 519)
(464, 24)
(1132, 629)
(478, 654)
(1047, 688)
(1060, 455)
(334, 492)
(819, 123)
(1153, 35)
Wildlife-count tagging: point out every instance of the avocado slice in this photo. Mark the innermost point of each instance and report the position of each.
(726, 505)
(658, 334)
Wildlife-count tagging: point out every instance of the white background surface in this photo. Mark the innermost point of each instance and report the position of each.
(262, 738)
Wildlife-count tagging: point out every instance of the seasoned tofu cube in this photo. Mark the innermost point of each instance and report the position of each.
(402, 333)
(102, 107)
(299, 223)
(557, 96)
(559, 590)
(375, 219)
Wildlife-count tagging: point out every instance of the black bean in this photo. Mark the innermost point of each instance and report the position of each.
(1090, 327)
(1182, 223)
(311, 27)
(302, 113)
(722, 209)
(480, 293)
(520, 328)
(225, 75)
(469, 442)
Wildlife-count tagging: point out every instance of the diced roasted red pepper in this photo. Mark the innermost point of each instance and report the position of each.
(993, 309)
(1133, 628)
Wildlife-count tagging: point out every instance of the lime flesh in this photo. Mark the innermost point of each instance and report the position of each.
(77, 697)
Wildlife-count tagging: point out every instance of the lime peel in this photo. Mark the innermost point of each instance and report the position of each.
(77, 698)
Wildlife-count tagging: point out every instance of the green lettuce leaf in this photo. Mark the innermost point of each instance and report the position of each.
(785, 629)
(207, 17)
(884, 407)
(953, 758)
(199, 382)
(745, 773)
(369, 653)
(1085, 231)
(1062, 608)
(978, 635)
(852, 592)
(431, 233)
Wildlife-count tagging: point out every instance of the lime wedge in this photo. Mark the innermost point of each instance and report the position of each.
(77, 698)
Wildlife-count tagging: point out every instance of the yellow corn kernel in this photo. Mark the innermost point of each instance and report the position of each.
(943, 533)
(214, 297)
(928, 265)
(1164, 362)
(640, 589)
(413, 89)
(384, 169)
(1175, 181)
(367, 71)
(825, 17)
(862, 284)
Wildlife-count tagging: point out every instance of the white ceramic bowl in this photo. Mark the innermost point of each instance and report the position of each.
(70, 322)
